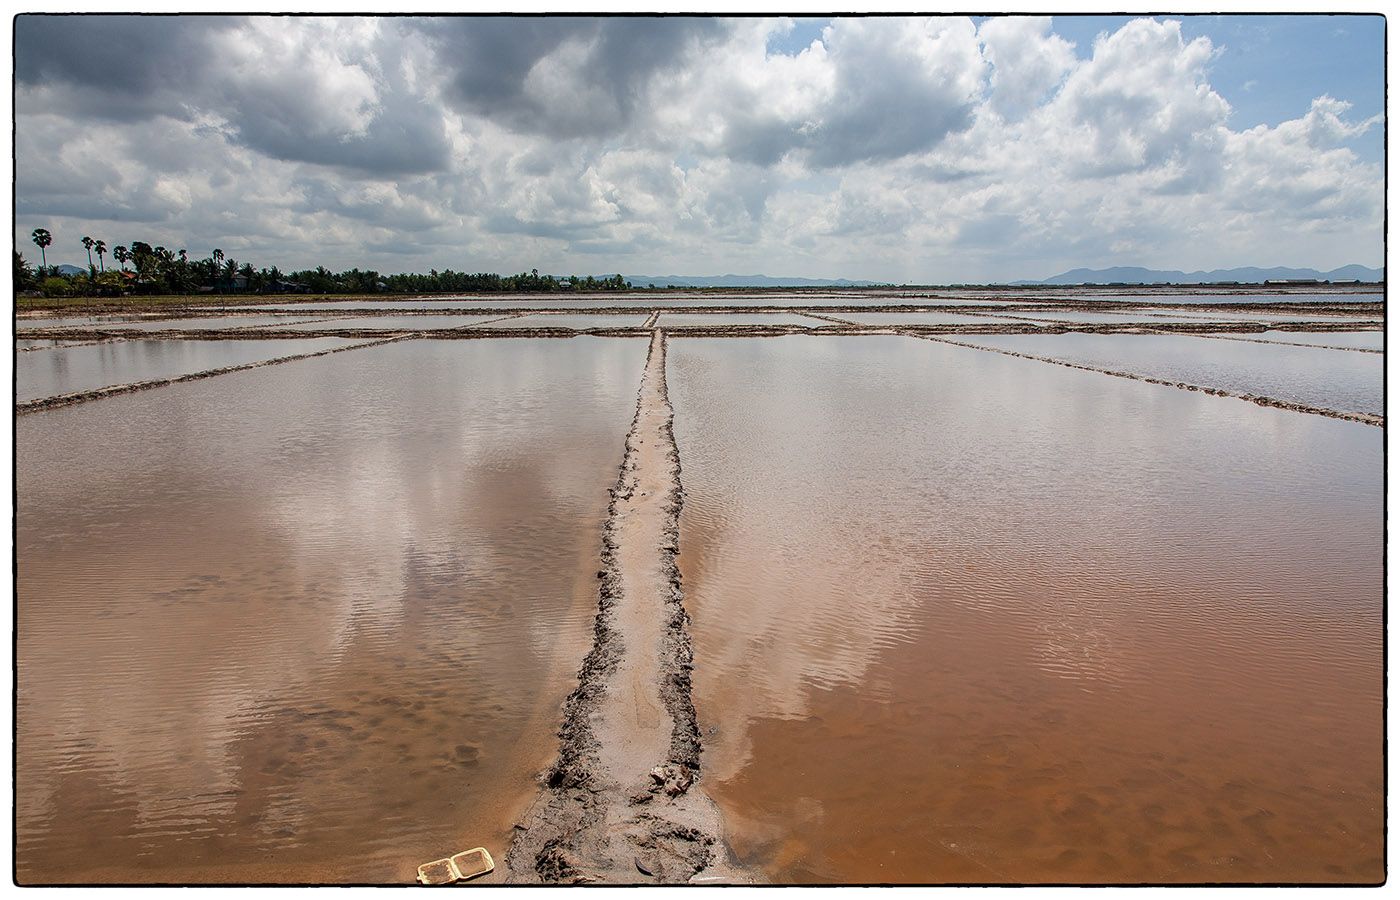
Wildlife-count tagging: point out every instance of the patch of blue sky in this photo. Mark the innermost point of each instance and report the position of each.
(1271, 67)
(797, 38)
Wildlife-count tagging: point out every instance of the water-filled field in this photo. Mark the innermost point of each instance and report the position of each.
(406, 323)
(69, 369)
(1330, 379)
(956, 615)
(260, 611)
(1360, 340)
(704, 320)
(963, 617)
(926, 318)
(561, 320)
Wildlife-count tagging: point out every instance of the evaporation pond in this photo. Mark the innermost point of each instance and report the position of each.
(1232, 316)
(202, 323)
(1282, 297)
(67, 370)
(1362, 340)
(312, 622)
(564, 320)
(710, 320)
(426, 322)
(962, 617)
(1347, 382)
(894, 319)
(1104, 318)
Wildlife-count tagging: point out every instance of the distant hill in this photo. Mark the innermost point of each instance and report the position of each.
(735, 281)
(1245, 275)
(66, 269)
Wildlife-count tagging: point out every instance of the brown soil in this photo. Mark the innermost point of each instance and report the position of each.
(622, 804)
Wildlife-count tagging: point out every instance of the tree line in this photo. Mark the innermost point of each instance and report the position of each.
(159, 270)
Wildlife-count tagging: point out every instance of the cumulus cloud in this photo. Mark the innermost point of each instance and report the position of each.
(1028, 62)
(924, 149)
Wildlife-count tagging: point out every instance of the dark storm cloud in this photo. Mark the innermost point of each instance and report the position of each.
(404, 137)
(131, 68)
(120, 67)
(489, 61)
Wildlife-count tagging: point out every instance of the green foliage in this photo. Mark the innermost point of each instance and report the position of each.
(56, 286)
(24, 275)
(163, 271)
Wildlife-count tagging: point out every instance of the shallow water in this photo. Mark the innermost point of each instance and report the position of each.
(704, 320)
(925, 318)
(330, 647)
(641, 301)
(1347, 382)
(205, 322)
(69, 369)
(407, 323)
(42, 343)
(555, 320)
(1366, 340)
(1139, 641)
(1095, 318)
(1283, 297)
(1359, 319)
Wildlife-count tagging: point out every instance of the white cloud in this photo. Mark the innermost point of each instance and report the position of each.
(919, 149)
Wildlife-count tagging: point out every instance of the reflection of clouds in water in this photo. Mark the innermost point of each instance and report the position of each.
(383, 516)
(790, 573)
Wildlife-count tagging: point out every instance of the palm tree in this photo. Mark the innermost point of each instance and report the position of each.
(218, 256)
(121, 255)
(101, 248)
(87, 244)
(42, 237)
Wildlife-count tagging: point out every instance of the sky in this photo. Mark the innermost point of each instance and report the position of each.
(900, 149)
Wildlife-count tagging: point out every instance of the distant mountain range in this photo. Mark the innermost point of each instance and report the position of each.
(1244, 275)
(736, 281)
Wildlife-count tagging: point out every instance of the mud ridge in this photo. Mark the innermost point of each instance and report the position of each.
(43, 403)
(1232, 337)
(66, 346)
(1364, 418)
(622, 803)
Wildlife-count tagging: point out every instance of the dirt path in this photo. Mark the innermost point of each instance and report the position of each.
(621, 805)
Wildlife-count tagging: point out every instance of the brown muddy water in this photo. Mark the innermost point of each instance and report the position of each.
(65, 370)
(962, 617)
(312, 622)
(1346, 382)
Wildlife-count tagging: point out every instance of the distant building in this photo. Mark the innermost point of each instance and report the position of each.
(285, 287)
(234, 284)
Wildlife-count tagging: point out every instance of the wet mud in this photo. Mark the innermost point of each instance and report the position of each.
(622, 803)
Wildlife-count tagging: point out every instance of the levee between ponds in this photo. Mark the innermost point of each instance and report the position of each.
(622, 803)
